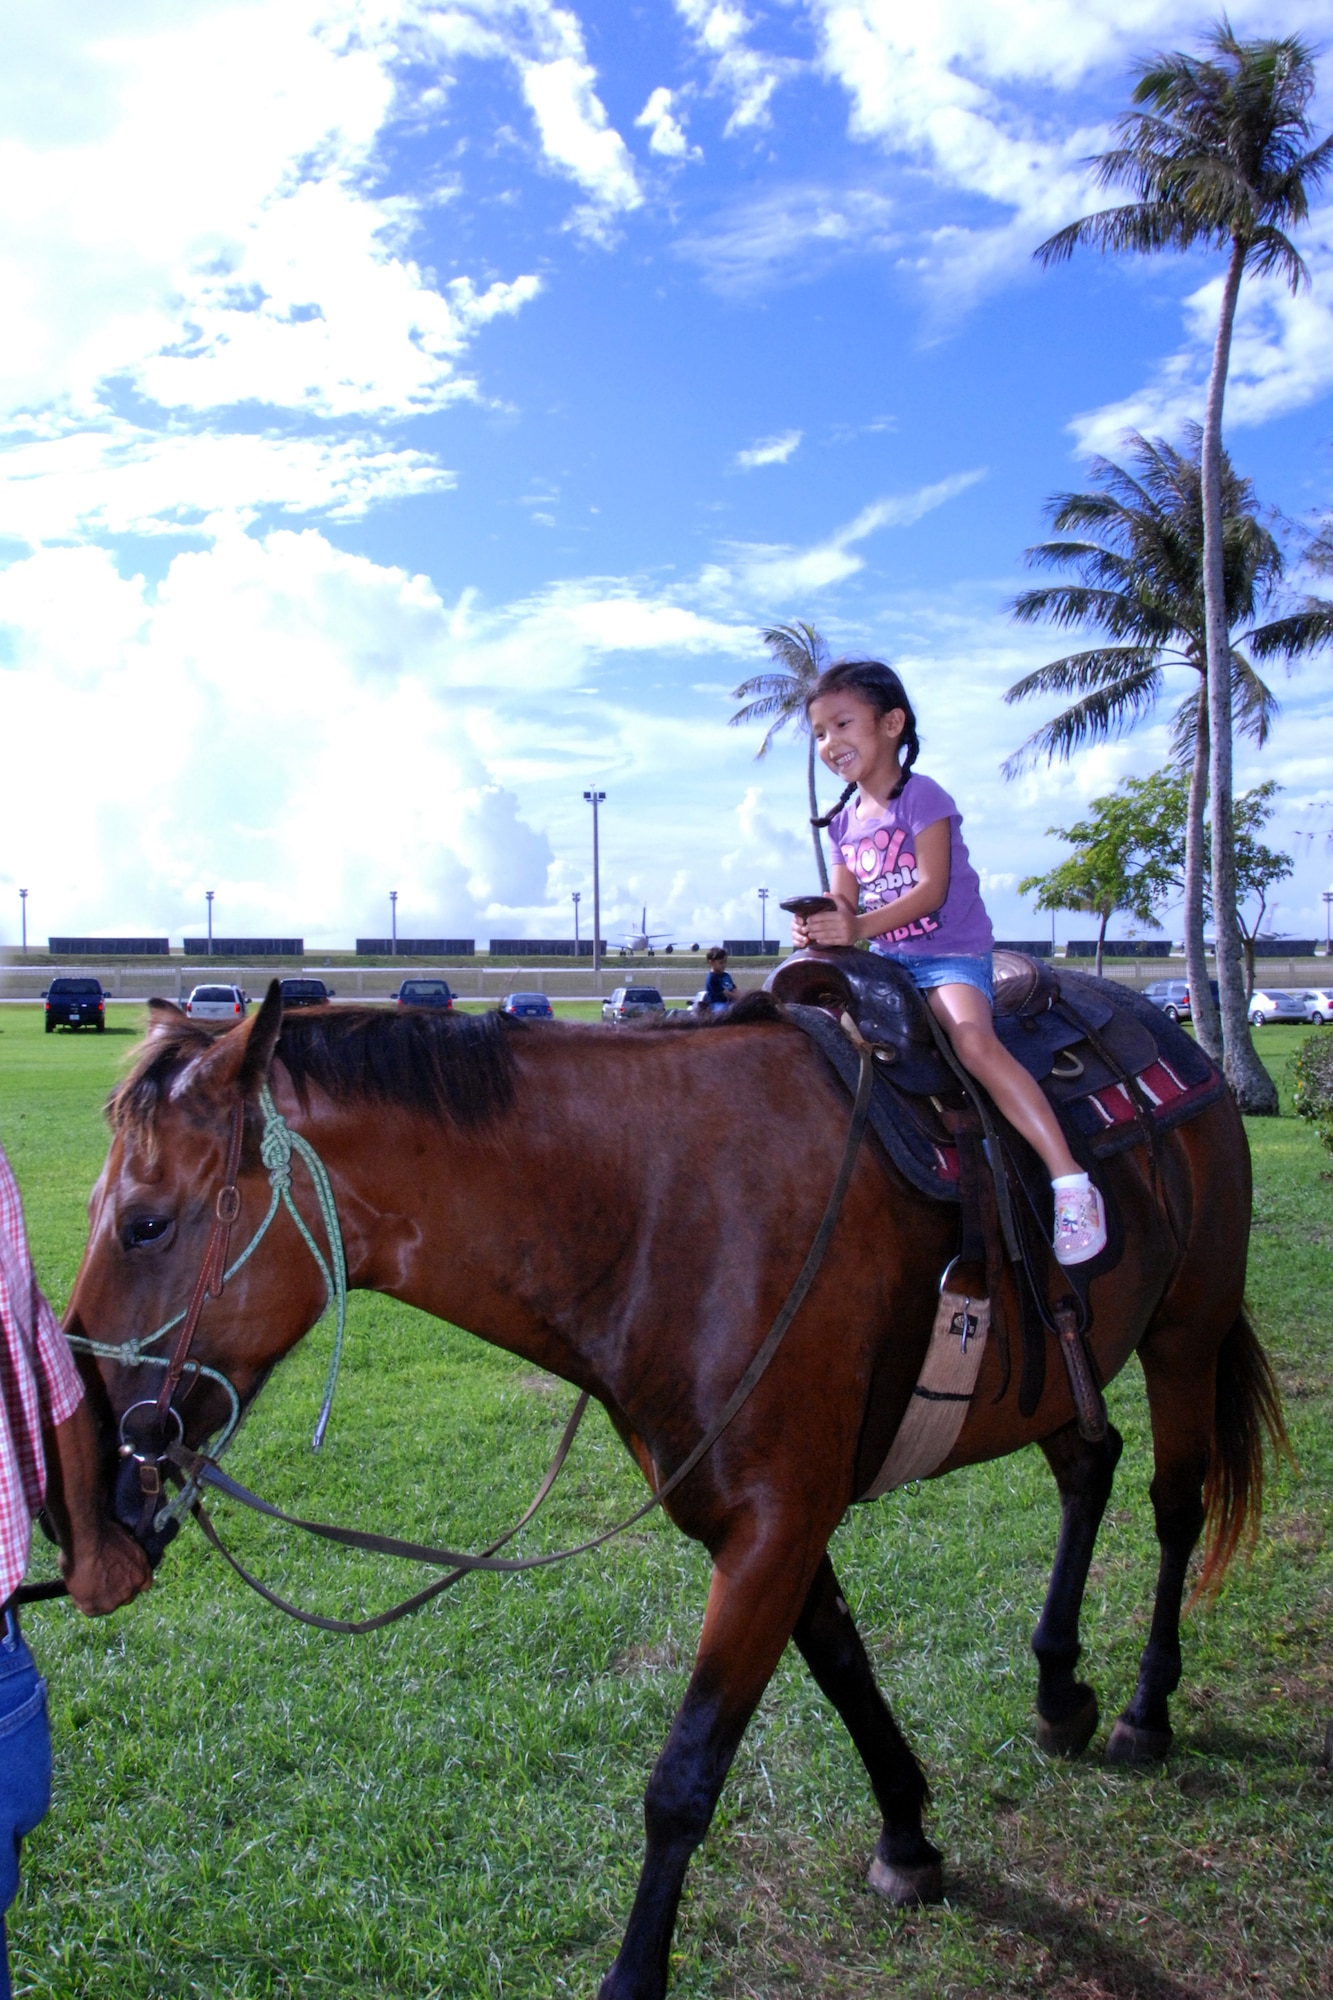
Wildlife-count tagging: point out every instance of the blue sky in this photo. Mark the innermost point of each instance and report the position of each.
(411, 413)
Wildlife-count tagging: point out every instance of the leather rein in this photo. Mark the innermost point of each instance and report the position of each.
(154, 1450)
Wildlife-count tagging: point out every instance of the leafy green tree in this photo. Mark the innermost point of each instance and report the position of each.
(1258, 868)
(1219, 157)
(778, 697)
(1119, 860)
(1134, 564)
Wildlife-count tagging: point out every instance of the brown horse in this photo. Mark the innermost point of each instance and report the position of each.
(562, 1192)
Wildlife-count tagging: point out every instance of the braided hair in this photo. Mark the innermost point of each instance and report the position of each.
(880, 686)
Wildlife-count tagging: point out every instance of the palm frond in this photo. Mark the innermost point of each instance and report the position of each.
(1117, 612)
(1301, 632)
(1100, 667)
(1106, 712)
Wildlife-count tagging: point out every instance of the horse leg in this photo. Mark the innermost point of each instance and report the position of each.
(906, 1868)
(1067, 1708)
(1182, 1424)
(753, 1601)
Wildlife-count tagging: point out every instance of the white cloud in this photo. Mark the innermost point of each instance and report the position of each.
(787, 235)
(264, 690)
(746, 75)
(113, 478)
(1281, 355)
(758, 572)
(200, 225)
(666, 127)
(577, 138)
(769, 451)
(984, 98)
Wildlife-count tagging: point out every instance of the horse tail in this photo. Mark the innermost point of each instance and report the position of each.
(1248, 1409)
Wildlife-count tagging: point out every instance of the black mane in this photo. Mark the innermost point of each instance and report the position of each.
(453, 1066)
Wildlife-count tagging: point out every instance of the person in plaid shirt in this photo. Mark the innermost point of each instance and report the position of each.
(48, 1459)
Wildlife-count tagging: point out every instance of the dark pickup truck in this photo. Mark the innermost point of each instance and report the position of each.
(75, 1003)
(305, 992)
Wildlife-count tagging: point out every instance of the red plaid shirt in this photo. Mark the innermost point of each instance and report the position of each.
(39, 1385)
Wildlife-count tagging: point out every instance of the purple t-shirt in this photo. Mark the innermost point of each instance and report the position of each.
(879, 850)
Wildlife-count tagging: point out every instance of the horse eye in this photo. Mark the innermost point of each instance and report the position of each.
(145, 1229)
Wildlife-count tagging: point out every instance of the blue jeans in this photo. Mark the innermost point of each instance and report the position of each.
(25, 1765)
(958, 971)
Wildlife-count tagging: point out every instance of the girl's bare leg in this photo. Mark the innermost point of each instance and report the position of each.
(965, 1015)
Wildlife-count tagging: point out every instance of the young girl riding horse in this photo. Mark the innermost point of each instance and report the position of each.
(902, 881)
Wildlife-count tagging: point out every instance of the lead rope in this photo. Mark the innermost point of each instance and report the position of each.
(276, 1147)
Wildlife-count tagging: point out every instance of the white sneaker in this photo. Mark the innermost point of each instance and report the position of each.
(1080, 1223)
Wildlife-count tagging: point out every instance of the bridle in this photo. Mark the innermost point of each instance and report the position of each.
(152, 1429)
(154, 1450)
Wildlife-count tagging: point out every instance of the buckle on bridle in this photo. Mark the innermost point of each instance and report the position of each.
(228, 1204)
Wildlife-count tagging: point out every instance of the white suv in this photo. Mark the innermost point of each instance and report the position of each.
(217, 1003)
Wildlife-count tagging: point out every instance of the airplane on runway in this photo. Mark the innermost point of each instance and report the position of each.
(643, 939)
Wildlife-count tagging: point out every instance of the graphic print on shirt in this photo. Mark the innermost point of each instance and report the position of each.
(886, 869)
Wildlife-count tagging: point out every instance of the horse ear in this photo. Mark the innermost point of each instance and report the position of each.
(165, 1018)
(261, 1040)
(240, 1058)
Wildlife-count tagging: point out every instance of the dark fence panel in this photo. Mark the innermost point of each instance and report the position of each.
(1034, 947)
(245, 947)
(751, 947)
(1120, 948)
(541, 948)
(1283, 947)
(93, 947)
(416, 947)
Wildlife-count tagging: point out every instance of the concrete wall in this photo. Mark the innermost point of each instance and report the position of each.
(482, 982)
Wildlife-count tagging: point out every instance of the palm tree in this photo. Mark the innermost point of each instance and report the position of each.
(1139, 571)
(1220, 159)
(779, 696)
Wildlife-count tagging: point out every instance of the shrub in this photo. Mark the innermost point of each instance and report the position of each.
(1314, 1084)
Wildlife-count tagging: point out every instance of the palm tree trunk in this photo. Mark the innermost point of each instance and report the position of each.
(1101, 940)
(820, 862)
(1203, 1008)
(1250, 1082)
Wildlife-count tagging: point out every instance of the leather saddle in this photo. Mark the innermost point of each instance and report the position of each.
(1113, 1066)
(1116, 1071)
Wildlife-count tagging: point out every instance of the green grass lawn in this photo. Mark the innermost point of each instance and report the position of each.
(244, 1807)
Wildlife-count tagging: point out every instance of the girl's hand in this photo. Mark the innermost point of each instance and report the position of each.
(832, 927)
(799, 937)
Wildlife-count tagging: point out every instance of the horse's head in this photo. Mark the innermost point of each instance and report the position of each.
(153, 1217)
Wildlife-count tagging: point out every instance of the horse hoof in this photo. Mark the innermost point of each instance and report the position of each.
(1071, 1735)
(907, 1888)
(1128, 1744)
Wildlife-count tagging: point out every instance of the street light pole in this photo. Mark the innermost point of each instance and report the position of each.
(209, 893)
(23, 906)
(595, 799)
(393, 922)
(1328, 907)
(574, 898)
(763, 921)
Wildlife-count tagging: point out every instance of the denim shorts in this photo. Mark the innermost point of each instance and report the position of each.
(928, 972)
(25, 1763)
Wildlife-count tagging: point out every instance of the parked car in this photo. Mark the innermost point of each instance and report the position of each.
(75, 1003)
(1318, 1004)
(217, 1003)
(1173, 997)
(533, 1006)
(633, 1003)
(304, 992)
(425, 993)
(1273, 1003)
